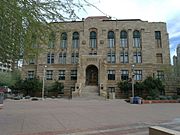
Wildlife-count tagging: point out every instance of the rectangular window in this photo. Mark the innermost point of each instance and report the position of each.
(158, 39)
(137, 57)
(73, 74)
(124, 74)
(159, 58)
(61, 74)
(137, 42)
(62, 58)
(111, 74)
(111, 57)
(111, 43)
(93, 53)
(111, 89)
(93, 43)
(138, 75)
(50, 58)
(124, 57)
(123, 42)
(74, 58)
(160, 75)
(32, 59)
(72, 88)
(30, 75)
(49, 74)
(51, 43)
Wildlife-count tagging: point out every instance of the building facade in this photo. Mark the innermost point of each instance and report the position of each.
(100, 51)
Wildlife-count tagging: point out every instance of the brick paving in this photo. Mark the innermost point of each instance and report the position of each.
(82, 117)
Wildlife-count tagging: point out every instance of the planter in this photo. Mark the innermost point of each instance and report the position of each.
(159, 101)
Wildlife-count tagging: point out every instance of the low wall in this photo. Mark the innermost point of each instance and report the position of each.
(159, 101)
(155, 130)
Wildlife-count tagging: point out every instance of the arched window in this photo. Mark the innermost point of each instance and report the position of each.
(137, 39)
(75, 40)
(123, 39)
(63, 40)
(93, 39)
(111, 39)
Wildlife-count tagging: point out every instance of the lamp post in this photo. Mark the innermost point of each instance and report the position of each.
(44, 74)
(133, 80)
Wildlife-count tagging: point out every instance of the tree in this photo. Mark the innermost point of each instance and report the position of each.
(23, 20)
(149, 87)
(125, 87)
(56, 88)
(9, 78)
(30, 87)
(153, 86)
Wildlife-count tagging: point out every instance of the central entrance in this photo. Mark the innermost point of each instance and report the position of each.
(91, 75)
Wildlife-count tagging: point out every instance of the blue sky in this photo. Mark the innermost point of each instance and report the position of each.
(147, 10)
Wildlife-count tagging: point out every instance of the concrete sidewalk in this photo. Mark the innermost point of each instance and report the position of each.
(81, 117)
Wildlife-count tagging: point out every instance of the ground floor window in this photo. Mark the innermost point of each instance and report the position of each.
(30, 74)
(111, 74)
(49, 74)
(138, 75)
(61, 74)
(73, 74)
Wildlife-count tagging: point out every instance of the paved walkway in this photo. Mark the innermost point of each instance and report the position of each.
(85, 117)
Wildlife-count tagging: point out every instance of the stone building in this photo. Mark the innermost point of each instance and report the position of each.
(99, 52)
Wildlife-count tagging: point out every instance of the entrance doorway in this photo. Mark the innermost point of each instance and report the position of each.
(91, 75)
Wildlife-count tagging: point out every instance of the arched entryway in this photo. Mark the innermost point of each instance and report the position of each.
(91, 75)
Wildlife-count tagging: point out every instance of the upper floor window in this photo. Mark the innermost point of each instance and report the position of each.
(111, 74)
(111, 39)
(138, 75)
(137, 57)
(136, 39)
(62, 58)
(52, 38)
(159, 58)
(123, 39)
(158, 39)
(49, 74)
(111, 57)
(73, 74)
(30, 75)
(124, 58)
(74, 58)
(50, 58)
(34, 41)
(75, 40)
(61, 74)
(93, 39)
(124, 74)
(63, 43)
(32, 59)
(160, 74)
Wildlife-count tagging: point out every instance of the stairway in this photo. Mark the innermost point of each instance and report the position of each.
(90, 93)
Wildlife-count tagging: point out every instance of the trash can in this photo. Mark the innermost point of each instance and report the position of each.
(131, 100)
(137, 100)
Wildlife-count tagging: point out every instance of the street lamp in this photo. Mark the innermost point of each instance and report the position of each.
(44, 74)
(133, 80)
